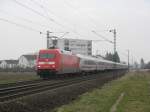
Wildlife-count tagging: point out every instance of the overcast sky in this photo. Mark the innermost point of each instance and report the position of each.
(131, 19)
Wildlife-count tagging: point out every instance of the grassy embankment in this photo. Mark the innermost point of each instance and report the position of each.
(15, 77)
(135, 87)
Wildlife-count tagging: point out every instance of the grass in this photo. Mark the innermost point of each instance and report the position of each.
(11, 77)
(136, 89)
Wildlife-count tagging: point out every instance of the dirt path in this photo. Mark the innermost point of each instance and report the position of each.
(114, 107)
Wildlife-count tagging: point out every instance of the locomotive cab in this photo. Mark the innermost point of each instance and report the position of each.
(47, 62)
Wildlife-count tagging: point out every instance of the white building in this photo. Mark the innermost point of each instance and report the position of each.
(77, 46)
(27, 61)
(9, 63)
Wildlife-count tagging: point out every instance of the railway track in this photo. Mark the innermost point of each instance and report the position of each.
(17, 91)
(19, 83)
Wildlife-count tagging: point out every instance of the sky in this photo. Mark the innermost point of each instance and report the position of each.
(21, 22)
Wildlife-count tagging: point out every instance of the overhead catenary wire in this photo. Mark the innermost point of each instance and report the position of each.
(48, 18)
(26, 20)
(45, 9)
(103, 37)
(90, 19)
(42, 15)
(29, 21)
(48, 10)
(41, 6)
(27, 27)
(125, 54)
(38, 13)
(20, 25)
(64, 34)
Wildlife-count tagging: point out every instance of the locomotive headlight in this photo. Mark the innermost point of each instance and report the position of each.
(51, 62)
(40, 63)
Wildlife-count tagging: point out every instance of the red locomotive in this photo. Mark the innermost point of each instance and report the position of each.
(56, 61)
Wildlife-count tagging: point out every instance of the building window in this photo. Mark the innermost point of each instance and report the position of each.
(89, 53)
(89, 49)
(66, 48)
(66, 42)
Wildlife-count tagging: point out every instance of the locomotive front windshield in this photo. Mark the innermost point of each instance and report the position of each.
(47, 56)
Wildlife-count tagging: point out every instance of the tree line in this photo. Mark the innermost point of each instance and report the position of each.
(144, 65)
(112, 57)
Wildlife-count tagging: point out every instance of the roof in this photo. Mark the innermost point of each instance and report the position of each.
(11, 61)
(30, 57)
(70, 39)
(100, 56)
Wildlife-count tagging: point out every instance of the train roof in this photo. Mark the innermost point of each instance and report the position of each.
(59, 50)
(98, 59)
(93, 58)
(83, 56)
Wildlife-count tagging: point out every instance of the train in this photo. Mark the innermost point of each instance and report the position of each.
(52, 62)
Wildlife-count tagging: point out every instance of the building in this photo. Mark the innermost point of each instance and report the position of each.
(77, 46)
(27, 61)
(9, 64)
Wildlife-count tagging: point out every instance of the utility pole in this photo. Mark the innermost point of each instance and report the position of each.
(105, 39)
(114, 41)
(128, 60)
(114, 33)
(48, 39)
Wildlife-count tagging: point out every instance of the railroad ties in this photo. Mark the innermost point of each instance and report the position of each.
(13, 92)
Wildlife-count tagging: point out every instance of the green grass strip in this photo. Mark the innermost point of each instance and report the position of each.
(136, 89)
(15, 77)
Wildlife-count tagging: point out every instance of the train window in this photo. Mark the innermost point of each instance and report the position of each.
(47, 55)
(91, 62)
(85, 62)
(100, 63)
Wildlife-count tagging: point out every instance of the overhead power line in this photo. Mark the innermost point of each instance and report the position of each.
(44, 8)
(20, 25)
(103, 37)
(42, 15)
(93, 40)
(90, 19)
(38, 13)
(47, 10)
(26, 20)
(64, 34)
